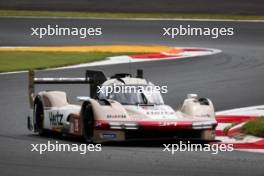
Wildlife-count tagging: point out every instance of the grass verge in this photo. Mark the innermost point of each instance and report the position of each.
(227, 128)
(126, 15)
(254, 127)
(16, 61)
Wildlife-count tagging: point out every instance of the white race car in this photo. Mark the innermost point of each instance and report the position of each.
(118, 116)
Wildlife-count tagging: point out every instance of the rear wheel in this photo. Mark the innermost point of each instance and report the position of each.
(88, 123)
(39, 116)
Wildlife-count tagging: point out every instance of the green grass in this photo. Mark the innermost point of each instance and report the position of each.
(254, 127)
(15, 61)
(227, 128)
(125, 15)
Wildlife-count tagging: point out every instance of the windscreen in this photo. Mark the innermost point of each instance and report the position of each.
(139, 95)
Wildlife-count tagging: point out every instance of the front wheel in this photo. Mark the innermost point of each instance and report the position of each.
(88, 124)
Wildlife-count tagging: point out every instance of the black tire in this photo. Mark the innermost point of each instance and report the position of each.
(88, 123)
(39, 115)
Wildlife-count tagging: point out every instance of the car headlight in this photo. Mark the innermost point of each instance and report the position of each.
(123, 125)
(202, 125)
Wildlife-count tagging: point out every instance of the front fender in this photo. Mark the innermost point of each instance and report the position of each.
(106, 109)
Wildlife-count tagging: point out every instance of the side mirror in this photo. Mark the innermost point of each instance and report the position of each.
(194, 96)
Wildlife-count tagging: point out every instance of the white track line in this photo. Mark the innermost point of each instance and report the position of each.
(246, 111)
(15, 72)
(134, 19)
(127, 59)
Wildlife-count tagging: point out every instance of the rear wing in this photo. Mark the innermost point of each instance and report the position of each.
(92, 77)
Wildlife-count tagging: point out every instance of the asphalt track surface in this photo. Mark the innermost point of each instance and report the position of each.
(238, 7)
(233, 78)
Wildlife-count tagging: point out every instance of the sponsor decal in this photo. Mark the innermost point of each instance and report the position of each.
(98, 123)
(116, 116)
(55, 119)
(167, 123)
(109, 135)
(159, 113)
(203, 116)
(76, 125)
